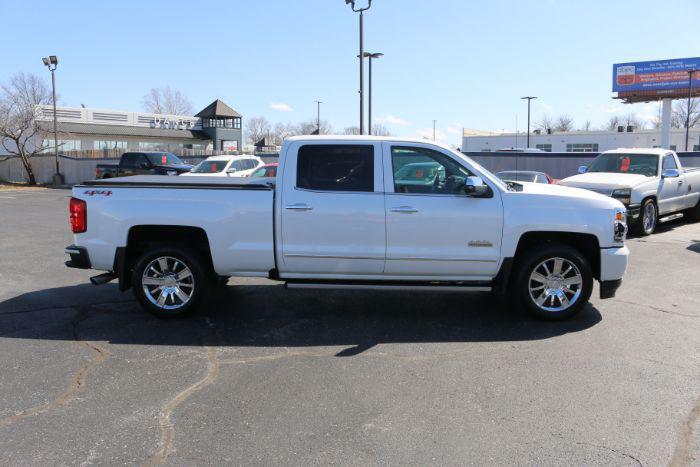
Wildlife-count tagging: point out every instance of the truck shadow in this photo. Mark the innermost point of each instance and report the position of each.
(270, 316)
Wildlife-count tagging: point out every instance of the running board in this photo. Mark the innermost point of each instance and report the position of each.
(408, 286)
(670, 218)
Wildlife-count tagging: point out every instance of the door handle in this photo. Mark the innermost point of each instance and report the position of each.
(404, 209)
(680, 182)
(298, 207)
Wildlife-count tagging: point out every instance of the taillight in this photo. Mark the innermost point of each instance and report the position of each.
(78, 215)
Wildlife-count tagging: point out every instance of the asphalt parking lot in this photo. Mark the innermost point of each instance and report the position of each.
(269, 376)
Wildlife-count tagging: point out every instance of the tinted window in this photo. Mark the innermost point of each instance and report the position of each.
(336, 167)
(132, 159)
(164, 158)
(644, 164)
(209, 167)
(420, 170)
(669, 163)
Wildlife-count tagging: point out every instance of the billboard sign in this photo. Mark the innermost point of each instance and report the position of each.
(659, 75)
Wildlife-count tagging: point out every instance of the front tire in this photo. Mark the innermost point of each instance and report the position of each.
(648, 218)
(170, 282)
(554, 282)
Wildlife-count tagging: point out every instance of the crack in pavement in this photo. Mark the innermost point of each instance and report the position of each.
(683, 453)
(167, 427)
(77, 382)
(656, 308)
(599, 446)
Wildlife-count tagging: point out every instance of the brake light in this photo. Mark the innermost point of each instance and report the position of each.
(78, 215)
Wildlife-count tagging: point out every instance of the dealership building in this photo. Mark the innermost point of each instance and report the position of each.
(217, 127)
(580, 141)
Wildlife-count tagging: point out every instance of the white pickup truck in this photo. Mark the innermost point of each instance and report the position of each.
(651, 183)
(352, 212)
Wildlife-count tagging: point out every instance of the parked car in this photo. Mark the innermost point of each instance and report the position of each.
(143, 163)
(267, 170)
(227, 166)
(344, 213)
(526, 176)
(651, 183)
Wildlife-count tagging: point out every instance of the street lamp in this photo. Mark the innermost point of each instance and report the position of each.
(529, 98)
(361, 57)
(51, 63)
(687, 117)
(370, 56)
(318, 116)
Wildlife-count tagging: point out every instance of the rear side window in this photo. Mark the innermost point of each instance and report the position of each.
(342, 167)
(130, 159)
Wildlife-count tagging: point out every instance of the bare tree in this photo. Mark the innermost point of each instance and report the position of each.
(351, 130)
(309, 127)
(563, 123)
(633, 120)
(544, 123)
(586, 126)
(167, 101)
(380, 130)
(282, 131)
(612, 123)
(679, 114)
(20, 132)
(257, 128)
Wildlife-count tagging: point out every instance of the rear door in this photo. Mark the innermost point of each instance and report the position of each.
(434, 230)
(332, 210)
(670, 188)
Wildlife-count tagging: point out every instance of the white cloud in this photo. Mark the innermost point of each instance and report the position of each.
(281, 106)
(391, 120)
(611, 110)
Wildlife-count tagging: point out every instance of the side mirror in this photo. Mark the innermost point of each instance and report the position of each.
(670, 173)
(583, 169)
(475, 186)
(232, 170)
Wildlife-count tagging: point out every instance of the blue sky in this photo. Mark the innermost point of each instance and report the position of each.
(463, 63)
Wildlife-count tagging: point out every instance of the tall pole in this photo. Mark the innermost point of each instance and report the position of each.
(369, 110)
(434, 129)
(362, 77)
(55, 131)
(687, 117)
(318, 116)
(529, 98)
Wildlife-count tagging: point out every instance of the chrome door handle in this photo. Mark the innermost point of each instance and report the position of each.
(404, 209)
(298, 207)
(680, 182)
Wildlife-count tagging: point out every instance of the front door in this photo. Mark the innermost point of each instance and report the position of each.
(434, 230)
(332, 211)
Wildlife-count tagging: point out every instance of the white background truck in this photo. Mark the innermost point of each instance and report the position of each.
(341, 215)
(651, 183)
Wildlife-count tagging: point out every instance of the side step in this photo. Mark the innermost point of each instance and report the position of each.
(670, 218)
(408, 286)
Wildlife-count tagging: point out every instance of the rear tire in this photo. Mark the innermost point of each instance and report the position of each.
(648, 218)
(553, 282)
(170, 282)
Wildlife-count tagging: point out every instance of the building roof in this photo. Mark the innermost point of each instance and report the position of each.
(217, 109)
(122, 130)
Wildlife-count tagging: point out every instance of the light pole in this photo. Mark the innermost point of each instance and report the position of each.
(687, 117)
(51, 63)
(434, 122)
(362, 61)
(318, 116)
(529, 98)
(370, 56)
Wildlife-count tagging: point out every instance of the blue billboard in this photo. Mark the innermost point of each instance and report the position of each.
(655, 75)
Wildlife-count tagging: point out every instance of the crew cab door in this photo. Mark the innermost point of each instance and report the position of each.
(332, 210)
(434, 230)
(671, 189)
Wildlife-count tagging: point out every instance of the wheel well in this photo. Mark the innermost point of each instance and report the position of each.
(142, 238)
(652, 197)
(586, 244)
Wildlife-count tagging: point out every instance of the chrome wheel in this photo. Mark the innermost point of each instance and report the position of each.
(649, 218)
(555, 284)
(167, 283)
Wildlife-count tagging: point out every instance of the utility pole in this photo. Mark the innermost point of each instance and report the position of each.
(362, 61)
(434, 121)
(370, 56)
(529, 98)
(51, 63)
(318, 116)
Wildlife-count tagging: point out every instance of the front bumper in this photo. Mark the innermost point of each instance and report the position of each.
(633, 211)
(78, 257)
(613, 263)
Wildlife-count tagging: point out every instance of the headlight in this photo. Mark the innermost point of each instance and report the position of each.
(620, 225)
(624, 195)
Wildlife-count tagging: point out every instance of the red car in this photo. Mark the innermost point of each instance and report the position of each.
(267, 170)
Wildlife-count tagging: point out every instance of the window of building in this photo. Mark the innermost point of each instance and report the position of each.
(669, 163)
(544, 147)
(696, 147)
(673, 147)
(104, 144)
(148, 146)
(336, 167)
(582, 147)
(422, 170)
(63, 145)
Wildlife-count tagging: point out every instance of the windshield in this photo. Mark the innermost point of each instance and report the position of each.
(517, 176)
(164, 158)
(641, 164)
(210, 167)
